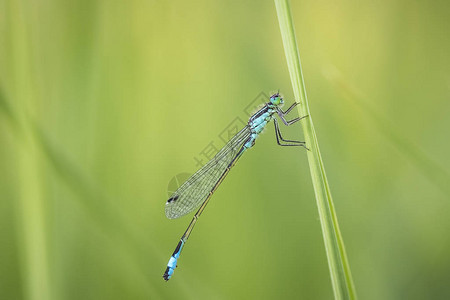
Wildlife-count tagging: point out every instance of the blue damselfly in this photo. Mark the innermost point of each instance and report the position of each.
(197, 190)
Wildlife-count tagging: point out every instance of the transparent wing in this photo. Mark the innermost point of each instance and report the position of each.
(196, 189)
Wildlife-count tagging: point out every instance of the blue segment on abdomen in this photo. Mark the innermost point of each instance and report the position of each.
(172, 264)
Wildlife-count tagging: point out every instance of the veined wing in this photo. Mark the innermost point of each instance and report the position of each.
(196, 189)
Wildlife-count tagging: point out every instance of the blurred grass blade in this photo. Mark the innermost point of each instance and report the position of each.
(429, 168)
(31, 204)
(32, 215)
(108, 218)
(341, 278)
(6, 109)
(34, 144)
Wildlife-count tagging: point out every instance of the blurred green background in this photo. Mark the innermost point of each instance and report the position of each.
(103, 102)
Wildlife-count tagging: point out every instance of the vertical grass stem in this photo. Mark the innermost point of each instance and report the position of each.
(341, 277)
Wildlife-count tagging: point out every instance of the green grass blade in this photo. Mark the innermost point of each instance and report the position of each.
(341, 277)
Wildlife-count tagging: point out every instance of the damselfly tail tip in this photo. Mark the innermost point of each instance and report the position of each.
(166, 275)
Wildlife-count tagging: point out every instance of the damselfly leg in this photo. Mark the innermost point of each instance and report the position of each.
(278, 135)
(289, 109)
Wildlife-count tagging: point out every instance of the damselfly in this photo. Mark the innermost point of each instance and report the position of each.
(197, 190)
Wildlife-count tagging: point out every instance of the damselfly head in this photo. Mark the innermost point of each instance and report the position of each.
(276, 99)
